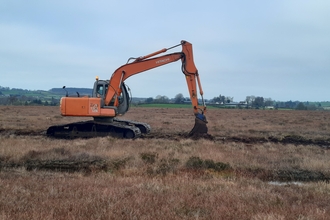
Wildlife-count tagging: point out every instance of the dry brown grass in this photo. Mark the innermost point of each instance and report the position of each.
(150, 177)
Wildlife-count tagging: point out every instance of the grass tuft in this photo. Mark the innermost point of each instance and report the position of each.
(198, 163)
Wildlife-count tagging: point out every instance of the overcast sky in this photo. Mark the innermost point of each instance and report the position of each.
(277, 49)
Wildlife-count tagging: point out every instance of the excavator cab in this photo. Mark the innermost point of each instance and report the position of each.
(100, 90)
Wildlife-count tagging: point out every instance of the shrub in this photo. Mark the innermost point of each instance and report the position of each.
(167, 165)
(149, 157)
(198, 163)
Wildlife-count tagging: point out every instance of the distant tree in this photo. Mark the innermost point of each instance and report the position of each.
(301, 106)
(4, 101)
(291, 104)
(222, 99)
(12, 99)
(23, 98)
(36, 102)
(165, 99)
(178, 98)
(250, 100)
(53, 102)
(219, 99)
(229, 99)
(311, 107)
(268, 102)
(162, 99)
(258, 102)
(216, 100)
(149, 100)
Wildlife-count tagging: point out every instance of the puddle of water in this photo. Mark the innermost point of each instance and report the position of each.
(277, 183)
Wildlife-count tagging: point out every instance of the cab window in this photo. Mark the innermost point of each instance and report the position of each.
(100, 90)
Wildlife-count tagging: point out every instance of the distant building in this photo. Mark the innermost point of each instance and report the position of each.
(241, 104)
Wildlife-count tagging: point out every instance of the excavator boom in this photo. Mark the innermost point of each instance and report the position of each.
(145, 63)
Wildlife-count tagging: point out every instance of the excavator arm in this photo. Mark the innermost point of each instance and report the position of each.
(148, 62)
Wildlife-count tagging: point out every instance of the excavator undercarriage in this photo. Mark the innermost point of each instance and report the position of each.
(93, 128)
(116, 128)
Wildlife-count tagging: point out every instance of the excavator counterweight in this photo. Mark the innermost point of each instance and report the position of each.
(111, 99)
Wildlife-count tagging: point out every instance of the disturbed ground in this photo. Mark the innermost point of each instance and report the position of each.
(287, 139)
(245, 127)
(242, 153)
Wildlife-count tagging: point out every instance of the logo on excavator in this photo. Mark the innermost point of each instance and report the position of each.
(162, 61)
(94, 107)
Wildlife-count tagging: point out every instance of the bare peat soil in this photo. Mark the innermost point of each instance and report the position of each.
(248, 127)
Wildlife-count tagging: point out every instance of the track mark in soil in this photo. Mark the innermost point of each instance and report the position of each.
(64, 161)
(177, 136)
(289, 139)
(288, 175)
(102, 165)
(21, 132)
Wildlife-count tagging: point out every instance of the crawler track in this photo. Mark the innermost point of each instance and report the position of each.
(117, 128)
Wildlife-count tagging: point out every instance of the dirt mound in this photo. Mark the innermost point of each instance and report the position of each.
(299, 175)
(283, 175)
(290, 139)
(98, 165)
(60, 159)
(177, 136)
(63, 160)
(67, 165)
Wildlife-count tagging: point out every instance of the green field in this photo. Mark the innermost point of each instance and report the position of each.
(169, 105)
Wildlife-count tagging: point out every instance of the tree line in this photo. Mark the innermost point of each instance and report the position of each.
(24, 100)
(18, 98)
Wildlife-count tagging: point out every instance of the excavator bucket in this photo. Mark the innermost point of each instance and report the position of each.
(200, 125)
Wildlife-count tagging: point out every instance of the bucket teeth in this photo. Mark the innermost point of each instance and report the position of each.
(199, 127)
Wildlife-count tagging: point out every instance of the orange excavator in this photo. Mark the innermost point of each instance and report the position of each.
(111, 98)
